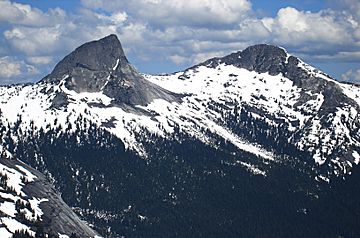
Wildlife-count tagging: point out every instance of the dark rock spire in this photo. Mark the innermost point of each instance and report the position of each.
(101, 66)
(100, 55)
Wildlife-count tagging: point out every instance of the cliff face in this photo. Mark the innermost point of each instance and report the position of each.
(29, 203)
(101, 66)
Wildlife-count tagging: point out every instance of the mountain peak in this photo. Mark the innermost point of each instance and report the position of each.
(265, 51)
(260, 58)
(266, 48)
(98, 55)
(101, 66)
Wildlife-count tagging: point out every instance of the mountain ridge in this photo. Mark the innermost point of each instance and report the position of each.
(256, 118)
(120, 85)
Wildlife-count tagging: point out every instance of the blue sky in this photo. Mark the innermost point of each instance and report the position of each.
(162, 36)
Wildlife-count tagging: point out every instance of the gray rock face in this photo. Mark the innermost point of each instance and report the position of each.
(101, 66)
(260, 58)
(58, 217)
(59, 101)
(95, 56)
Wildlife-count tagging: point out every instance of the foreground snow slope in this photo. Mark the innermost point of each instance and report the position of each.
(28, 203)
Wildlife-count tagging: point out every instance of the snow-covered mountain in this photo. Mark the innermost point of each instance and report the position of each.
(319, 115)
(259, 109)
(30, 207)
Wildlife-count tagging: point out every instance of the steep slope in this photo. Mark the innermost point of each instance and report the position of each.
(29, 204)
(243, 136)
(101, 66)
(316, 114)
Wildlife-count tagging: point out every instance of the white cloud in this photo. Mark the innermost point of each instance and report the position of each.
(351, 76)
(23, 14)
(180, 12)
(10, 68)
(118, 17)
(60, 39)
(183, 29)
(39, 59)
(200, 57)
(179, 60)
(340, 56)
(351, 6)
(32, 41)
(324, 28)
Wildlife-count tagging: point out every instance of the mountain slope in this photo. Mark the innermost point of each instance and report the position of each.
(141, 155)
(319, 115)
(30, 204)
(101, 66)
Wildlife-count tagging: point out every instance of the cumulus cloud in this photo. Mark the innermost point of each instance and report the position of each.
(32, 41)
(177, 59)
(11, 68)
(181, 12)
(39, 60)
(43, 44)
(323, 29)
(343, 56)
(351, 6)
(200, 57)
(60, 38)
(351, 76)
(23, 14)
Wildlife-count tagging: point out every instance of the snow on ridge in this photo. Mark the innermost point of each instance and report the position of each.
(315, 72)
(204, 85)
(63, 236)
(225, 84)
(276, 95)
(352, 91)
(11, 192)
(356, 156)
(8, 208)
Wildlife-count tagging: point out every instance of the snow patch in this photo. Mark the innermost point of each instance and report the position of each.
(116, 65)
(8, 208)
(356, 156)
(4, 233)
(13, 225)
(254, 170)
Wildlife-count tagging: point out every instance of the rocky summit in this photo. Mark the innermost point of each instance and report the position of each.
(102, 55)
(236, 146)
(101, 66)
